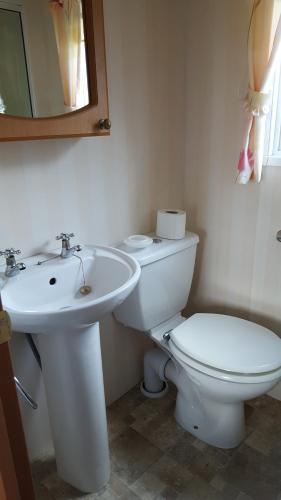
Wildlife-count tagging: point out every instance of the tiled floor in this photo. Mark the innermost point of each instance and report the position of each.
(152, 458)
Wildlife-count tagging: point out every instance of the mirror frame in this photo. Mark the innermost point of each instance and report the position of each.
(85, 121)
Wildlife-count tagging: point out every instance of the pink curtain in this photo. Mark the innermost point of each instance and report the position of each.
(264, 43)
(67, 16)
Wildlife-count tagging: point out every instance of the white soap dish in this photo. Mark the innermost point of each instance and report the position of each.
(138, 241)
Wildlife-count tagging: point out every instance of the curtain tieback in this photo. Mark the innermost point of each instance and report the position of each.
(257, 103)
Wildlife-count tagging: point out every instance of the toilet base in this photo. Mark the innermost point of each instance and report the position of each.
(218, 424)
(154, 395)
(210, 408)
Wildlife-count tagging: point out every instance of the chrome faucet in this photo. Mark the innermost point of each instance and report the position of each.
(66, 249)
(12, 267)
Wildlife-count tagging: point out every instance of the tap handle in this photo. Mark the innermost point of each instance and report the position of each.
(65, 236)
(8, 252)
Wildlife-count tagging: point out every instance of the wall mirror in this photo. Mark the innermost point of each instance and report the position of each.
(52, 69)
(42, 58)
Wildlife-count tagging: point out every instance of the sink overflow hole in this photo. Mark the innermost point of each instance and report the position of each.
(52, 281)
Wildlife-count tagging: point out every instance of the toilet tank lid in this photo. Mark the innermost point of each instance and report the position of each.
(228, 343)
(160, 248)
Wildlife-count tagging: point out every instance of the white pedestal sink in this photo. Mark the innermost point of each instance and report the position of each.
(46, 300)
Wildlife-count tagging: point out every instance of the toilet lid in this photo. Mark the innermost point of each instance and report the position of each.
(228, 343)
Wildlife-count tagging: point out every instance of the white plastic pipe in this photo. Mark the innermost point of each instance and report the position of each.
(158, 367)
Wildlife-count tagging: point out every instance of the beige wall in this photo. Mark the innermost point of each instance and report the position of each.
(238, 268)
(104, 188)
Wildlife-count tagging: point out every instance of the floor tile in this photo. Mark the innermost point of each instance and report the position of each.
(183, 451)
(42, 493)
(152, 408)
(259, 442)
(208, 462)
(218, 483)
(132, 454)
(198, 489)
(41, 469)
(120, 489)
(243, 496)
(161, 430)
(117, 423)
(129, 402)
(253, 473)
(153, 458)
(171, 473)
(200, 445)
(228, 491)
(167, 494)
(59, 489)
(148, 486)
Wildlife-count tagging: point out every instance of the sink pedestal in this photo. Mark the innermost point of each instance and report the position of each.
(47, 300)
(73, 377)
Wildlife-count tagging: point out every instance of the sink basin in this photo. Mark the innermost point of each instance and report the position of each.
(45, 298)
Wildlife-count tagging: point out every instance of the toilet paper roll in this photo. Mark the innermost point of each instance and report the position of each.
(171, 224)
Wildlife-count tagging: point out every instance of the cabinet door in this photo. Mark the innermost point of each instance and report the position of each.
(15, 475)
(8, 479)
(52, 70)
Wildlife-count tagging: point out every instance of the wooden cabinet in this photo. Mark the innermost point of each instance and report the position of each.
(15, 475)
(86, 120)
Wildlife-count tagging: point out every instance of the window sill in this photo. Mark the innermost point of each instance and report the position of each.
(272, 161)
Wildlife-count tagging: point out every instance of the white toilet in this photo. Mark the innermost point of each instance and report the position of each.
(216, 362)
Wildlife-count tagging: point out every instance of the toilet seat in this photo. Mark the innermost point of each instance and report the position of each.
(228, 348)
(186, 362)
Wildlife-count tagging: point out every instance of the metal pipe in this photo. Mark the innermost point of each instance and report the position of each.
(34, 349)
(25, 394)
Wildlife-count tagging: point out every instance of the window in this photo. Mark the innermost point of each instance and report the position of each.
(273, 133)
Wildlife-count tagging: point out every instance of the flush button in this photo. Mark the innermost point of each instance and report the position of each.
(157, 240)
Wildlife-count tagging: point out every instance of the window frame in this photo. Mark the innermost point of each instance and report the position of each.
(17, 6)
(272, 155)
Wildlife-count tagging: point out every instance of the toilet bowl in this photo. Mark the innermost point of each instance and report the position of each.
(215, 361)
(241, 361)
(213, 377)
